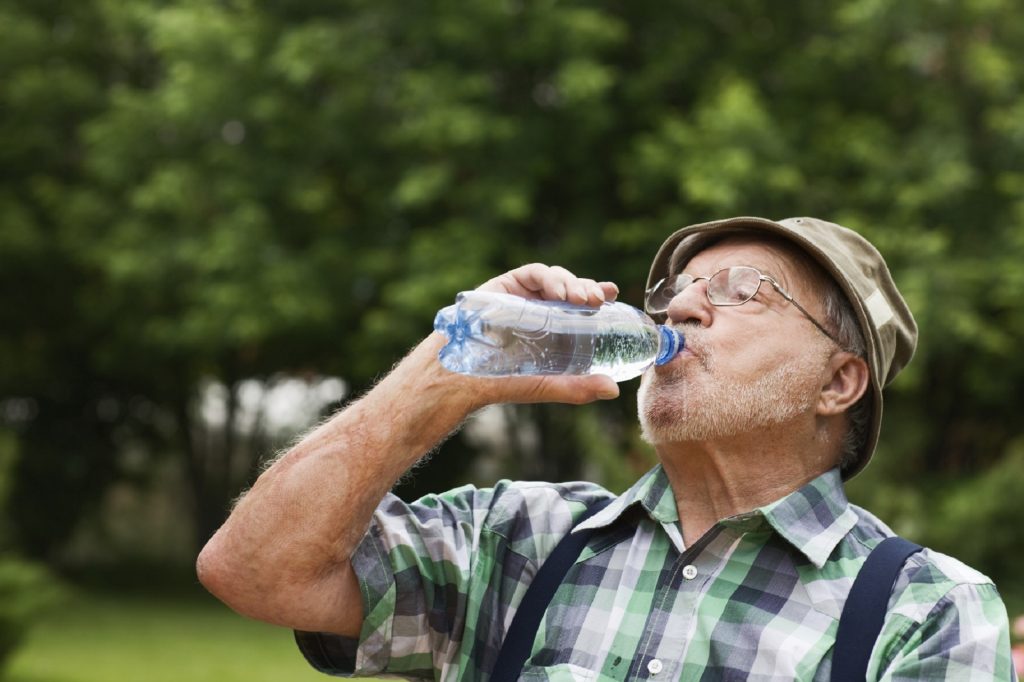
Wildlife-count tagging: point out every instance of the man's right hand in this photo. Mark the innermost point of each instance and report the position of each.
(551, 283)
(283, 555)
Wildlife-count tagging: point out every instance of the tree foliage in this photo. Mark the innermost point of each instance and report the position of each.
(198, 191)
(26, 588)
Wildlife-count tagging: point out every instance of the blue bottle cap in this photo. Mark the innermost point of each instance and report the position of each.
(672, 342)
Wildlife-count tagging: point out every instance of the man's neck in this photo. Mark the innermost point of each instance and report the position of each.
(713, 480)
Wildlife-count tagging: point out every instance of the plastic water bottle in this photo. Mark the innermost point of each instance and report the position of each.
(492, 334)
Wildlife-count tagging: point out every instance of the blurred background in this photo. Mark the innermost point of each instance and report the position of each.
(220, 221)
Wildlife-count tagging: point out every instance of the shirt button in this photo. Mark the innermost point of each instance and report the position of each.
(690, 572)
(654, 666)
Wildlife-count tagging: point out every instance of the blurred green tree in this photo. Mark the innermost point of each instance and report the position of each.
(26, 588)
(53, 80)
(198, 191)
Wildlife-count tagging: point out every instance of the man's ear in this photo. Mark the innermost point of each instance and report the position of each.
(846, 384)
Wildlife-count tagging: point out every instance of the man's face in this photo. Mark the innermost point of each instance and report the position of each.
(745, 367)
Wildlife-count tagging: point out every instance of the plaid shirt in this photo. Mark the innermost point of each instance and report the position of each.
(757, 598)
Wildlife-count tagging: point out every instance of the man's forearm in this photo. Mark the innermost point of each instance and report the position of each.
(284, 553)
(305, 515)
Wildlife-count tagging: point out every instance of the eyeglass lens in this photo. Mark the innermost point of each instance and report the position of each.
(731, 286)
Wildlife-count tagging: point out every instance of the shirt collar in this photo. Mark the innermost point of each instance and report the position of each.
(813, 519)
(652, 492)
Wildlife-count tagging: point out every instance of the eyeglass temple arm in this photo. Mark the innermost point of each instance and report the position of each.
(785, 294)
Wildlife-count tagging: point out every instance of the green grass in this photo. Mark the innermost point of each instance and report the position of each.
(179, 637)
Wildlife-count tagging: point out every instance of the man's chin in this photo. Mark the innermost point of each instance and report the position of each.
(651, 436)
(661, 424)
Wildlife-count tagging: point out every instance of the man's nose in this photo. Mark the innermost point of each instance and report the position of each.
(691, 305)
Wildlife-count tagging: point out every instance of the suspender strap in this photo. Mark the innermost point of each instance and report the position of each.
(515, 649)
(865, 608)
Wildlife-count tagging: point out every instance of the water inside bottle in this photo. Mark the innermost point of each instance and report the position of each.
(502, 335)
(620, 355)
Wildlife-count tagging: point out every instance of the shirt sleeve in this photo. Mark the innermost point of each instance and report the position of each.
(437, 574)
(965, 636)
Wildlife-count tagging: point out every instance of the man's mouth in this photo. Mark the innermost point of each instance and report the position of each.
(695, 346)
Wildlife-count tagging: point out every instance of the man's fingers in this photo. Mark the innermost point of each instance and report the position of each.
(553, 283)
(550, 282)
(556, 283)
(526, 281)
(581, 389)
(610, 289)
(575, 390)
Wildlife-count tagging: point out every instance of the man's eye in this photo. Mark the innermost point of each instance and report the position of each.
(741, 293)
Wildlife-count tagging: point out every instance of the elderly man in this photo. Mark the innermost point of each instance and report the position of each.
(731, 559)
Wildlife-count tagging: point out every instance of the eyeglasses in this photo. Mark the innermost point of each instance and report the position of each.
(727, 287)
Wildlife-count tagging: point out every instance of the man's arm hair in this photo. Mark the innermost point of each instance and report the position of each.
(283, 555)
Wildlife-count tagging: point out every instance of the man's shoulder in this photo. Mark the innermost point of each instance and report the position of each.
(933, 584)
(514, 510)
(928, 565)
(946, 570)
(930, 580)
(516, 507)
(529, 518)
(511, 492)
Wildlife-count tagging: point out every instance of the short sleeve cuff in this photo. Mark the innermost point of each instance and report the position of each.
(370, 653)
(328, 653)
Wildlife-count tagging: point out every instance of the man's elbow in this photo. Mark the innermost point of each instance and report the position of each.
(223, 577)
(330, 602)
(211, 569)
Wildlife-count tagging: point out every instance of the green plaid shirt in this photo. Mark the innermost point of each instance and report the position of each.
(757, 598)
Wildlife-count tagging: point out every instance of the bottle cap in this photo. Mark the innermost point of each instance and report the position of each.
(671, 343)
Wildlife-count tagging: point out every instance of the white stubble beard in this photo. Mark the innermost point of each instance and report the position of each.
(698, 404)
